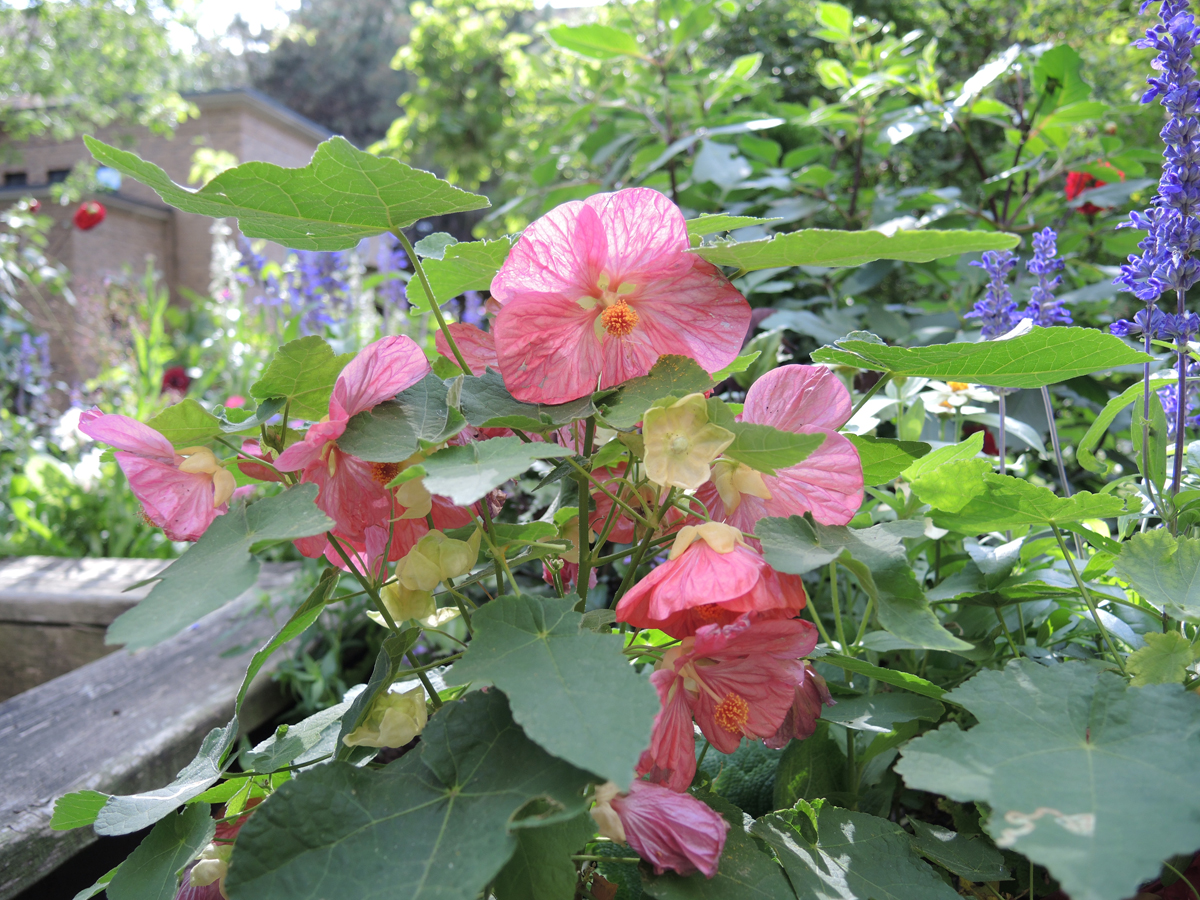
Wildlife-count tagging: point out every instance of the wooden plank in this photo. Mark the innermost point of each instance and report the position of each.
(55, 590)
(124, 723)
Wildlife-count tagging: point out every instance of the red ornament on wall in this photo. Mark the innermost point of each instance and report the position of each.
(89, 215)
(35, 206)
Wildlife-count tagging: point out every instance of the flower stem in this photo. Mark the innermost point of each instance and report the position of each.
(837, 609)
(640, 554)
(617, 501)
(1062, 468)
(1008, 634)
(1181, 353)
(871, 392)
(585, 496)
(1003, 444)
(433, 304)
(1087, 598)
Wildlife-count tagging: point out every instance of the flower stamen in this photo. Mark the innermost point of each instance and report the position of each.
(619, 319)
(732, 713)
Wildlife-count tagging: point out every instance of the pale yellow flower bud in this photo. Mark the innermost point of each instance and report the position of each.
(681, 443)
(416, 500)
(202, 461)
(212, 866)
(607, 821)
(436, 558)
(394, 720)
(404, 603)
(732, 479)
(721, 537)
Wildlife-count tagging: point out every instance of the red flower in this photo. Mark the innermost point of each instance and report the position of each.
(1078, 182)
(989, 441)
(175, 378)
(35, 206)
(89, 215)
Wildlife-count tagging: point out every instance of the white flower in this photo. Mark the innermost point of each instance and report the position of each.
(952, 398)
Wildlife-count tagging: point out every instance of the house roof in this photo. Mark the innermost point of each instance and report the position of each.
(264, 106)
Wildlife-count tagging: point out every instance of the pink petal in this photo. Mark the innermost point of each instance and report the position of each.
(350, 496)
(306, 451)
(791, 397)
(180, 503)
(671, 757)
(379, 372)
(563, 252)
(671, 830)
(645, 233)
(548, 349)
(478, 347)
(126, 434)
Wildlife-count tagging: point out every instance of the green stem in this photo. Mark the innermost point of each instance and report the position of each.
(703, 753)
(627, 581)
(862, 628)
(433, 304)
(1184, 879)
(812, 611)
(489, 534)
(585, 514)
(1008, 634)
(583, 857)
(613, 557)
(871, 392)
(852, 768)
(254, 459)
(1087, 598)
(837, 607)
(585, 475)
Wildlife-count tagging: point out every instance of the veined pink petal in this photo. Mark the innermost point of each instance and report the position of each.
(671, 830)
(645, 233)
(671, 757)
(305, 451)
(351, 496)
(790, 397)
(801, 720)
(547, 348)
(478, 347)
(563, 252)
(181, 503)
(126, 434)
(379, 372)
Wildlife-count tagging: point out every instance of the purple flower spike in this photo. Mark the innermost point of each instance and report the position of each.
(996, 309)
(1044, 309)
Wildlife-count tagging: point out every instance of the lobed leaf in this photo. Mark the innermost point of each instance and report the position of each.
(969, 856)
(1164, 660)
(466, 474)
(882, 712)
(302, 372)
(1164, 569)
(465, 266)
(671, 376)
(187, 424)
(150, 872)
(883, 459)
(766, 449)
(486, 402)
(396, 429)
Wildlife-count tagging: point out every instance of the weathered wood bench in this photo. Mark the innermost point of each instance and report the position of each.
(119, 723)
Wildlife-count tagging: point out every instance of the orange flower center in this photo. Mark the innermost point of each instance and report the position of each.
(732, 713)
(710, 612)
(619, 319)
(382, 473)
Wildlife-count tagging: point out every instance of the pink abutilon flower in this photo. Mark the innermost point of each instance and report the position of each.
(597, 290)
(801, 720)
(181, 491)
(710, 576)
(735, 680)
(351, 490)
(477, 346)
(829, 483)
(669, 830)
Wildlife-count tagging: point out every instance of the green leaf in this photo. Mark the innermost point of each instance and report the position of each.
(1152, 460)
(711, 224)
(307, 740)
(433, 246)
(810, 769)
(822, 247)
(969, 856)
(741, 364)
(394, 430)
(1084, 775)
(1085, 450)
(101, 883)
(77, 810)
(894, 677)
(745, 872)
(218, 567)
(303, 372)
(341, 197)
(466, 474)
(127, 814)
(437, 824)
(968, 449)
(467, 266)
(1041, 357)
(1165, 570)
(883, 459)
(388, 663)
(987, 501)
(596, 41)
(236, 421)
(671, 376)
(149, 873)
(486, 402)
(882, 712)
(541, 867)
(572, 690)
(854, 856)
(186, 424)
(766, 449)
(1164, 659)
(877, 559)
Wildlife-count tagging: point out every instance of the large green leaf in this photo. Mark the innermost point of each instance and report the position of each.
(485, 401)
(885, 458)
(1085, 449)
(437, 824)
(671, 376)
(1164, 660)
(77, 809)
(823, 247)
(849, 856)
(127, 814)
(186, 424)
(218, 567)
(541, 868)
(1165, 570)
(150, 872)
(341, 197)
(302, 372)
(968, 449)
(466, 266)
(877, 558)
(394, 430)
(466, 474)
(1084, 775)
(596, 41)
(766, 449)
(1041, 357)
(882, 712)
(711, 224)
(810, 769)
(982, 501)
(969, 856)
(572, 690)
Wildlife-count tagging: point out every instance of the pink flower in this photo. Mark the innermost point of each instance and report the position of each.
(351, 490)
(669, 830)
(597, 290)
(735, 680)
(254, 470)
(801, 719)
(805, 400)
(180, 491)
(711, 576)
(478, 347)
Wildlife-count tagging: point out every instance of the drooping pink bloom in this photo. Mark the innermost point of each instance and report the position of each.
(477, 346)
(829, 483)
(669, 830)
(254, 470)
(735, 680)
(597, 290)
(351, 490)
(801, 720)
(710, 576)
(181, 491)
(405, 533)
